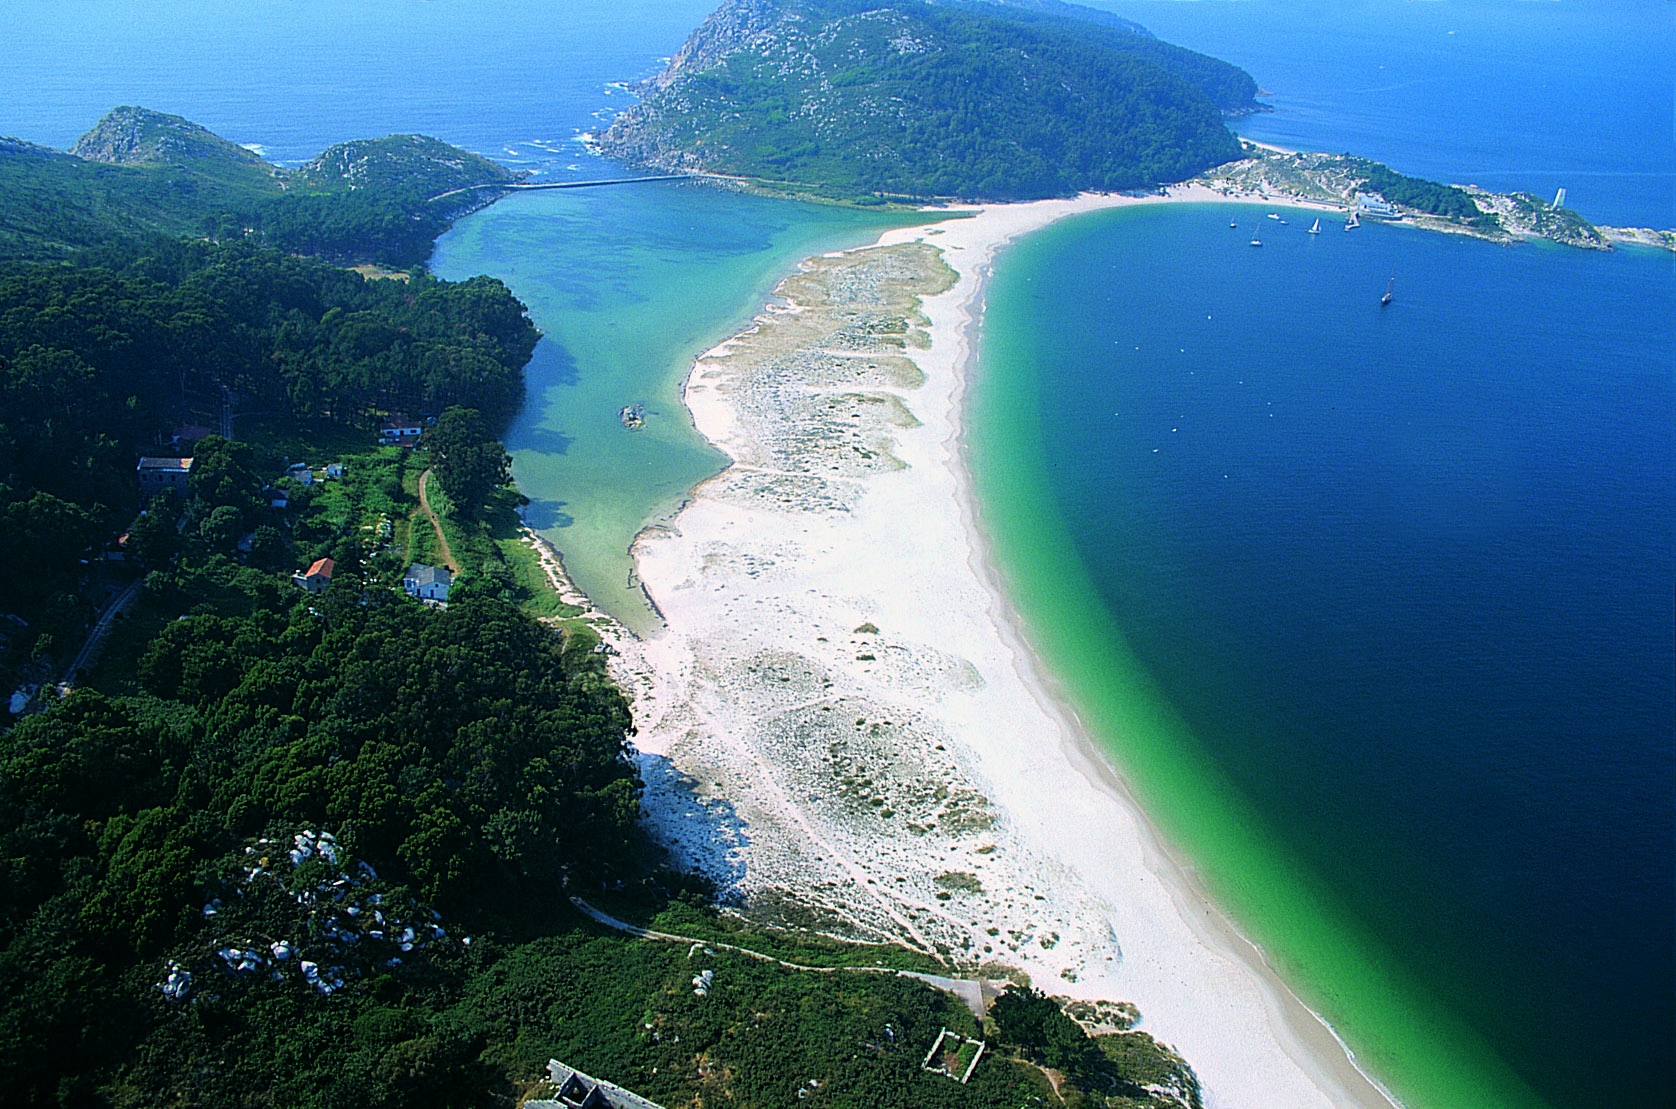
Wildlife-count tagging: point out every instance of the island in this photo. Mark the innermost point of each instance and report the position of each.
(315, 785)
(142, 173)
(909, 102)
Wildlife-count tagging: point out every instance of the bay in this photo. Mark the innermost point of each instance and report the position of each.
(1395, 585)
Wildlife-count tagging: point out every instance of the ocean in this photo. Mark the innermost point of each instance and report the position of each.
(1400, 681)
(1373, 606)
(1388, 594)
(1513, 95)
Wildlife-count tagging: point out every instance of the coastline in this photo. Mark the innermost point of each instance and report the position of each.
(888, 559)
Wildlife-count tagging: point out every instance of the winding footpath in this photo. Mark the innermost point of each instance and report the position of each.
(974, 992)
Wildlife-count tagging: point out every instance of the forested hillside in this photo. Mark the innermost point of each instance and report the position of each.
(139, 172)
(99, 361)
(962, 99)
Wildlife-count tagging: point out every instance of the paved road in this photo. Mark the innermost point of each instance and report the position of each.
(96, 638)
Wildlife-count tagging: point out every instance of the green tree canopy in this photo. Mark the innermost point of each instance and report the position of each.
(468, 463)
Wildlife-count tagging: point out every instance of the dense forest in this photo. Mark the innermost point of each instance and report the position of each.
(314, 849)
(98, 361)
(964, 99)
(140, 173)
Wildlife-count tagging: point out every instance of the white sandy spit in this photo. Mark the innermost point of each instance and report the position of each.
(842, 722)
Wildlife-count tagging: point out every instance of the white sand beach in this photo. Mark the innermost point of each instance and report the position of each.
(843, 722)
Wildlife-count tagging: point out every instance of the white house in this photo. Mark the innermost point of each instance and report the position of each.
(399, 431)
(428, 583)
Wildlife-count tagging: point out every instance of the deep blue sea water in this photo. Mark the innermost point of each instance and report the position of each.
(1514, 95)
(1406, 575)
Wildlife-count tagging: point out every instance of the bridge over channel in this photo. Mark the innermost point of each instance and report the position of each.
(537, 185)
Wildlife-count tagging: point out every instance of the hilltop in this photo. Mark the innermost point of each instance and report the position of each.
(130, 136)
(140, 173)
(968, 99)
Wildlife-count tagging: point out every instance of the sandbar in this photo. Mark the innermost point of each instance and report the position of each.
(842, 721)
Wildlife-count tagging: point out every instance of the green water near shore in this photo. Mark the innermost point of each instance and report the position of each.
(1400, 1031)
(628, 286)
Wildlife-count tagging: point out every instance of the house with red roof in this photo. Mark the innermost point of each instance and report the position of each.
(316, 578)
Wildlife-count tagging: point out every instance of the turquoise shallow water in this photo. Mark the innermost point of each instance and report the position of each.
(1375, 607)
(628, 284)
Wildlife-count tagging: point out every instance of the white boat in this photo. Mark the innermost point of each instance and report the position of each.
(1352, 222)
(1315, 228)
(1274, 215)
(1255, 241)
(1233, 223)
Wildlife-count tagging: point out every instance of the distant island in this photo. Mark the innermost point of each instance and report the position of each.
(962, 100)
(917, 101)
(1370, 188)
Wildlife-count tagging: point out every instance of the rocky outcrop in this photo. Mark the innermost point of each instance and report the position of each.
(130, 136)
(729, 28)
(640, 135)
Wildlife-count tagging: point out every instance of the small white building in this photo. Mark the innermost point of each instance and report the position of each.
(1375, 204)
(428, 583)
(399, 431)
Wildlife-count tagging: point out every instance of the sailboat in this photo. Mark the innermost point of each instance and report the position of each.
(1233, 223)
(1315, 228)
(1255, 241)
(1352, 222)
(1389, 285)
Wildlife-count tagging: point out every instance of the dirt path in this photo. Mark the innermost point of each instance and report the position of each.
(971, 991)
(441, 539)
